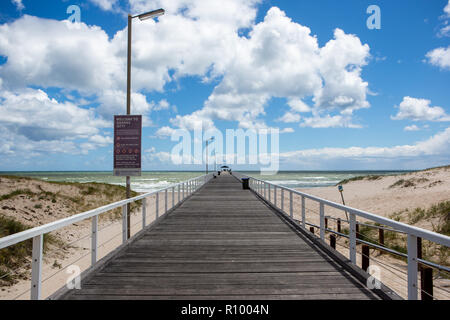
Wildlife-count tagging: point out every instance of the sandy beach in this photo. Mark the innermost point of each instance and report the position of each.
(396, 197)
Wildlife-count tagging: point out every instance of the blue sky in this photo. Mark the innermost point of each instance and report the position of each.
(342, 95)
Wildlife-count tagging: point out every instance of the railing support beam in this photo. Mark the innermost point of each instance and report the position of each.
(303, 212)
(36, 267)
(157, 205)
(322, 222)
(144, 212)
(412, 267)
(94, 240)
(352, 237)
(124, 223)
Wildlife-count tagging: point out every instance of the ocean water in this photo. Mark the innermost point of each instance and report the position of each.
(154, 180)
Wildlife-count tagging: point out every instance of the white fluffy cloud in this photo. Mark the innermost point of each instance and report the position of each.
(439, 57)
(19, 5)
(114, 102)
(289, 117)
(50, 53)
(32, 122)
(439, 144)
(412, 128)
(419, 110)
(327, 121)
(106, 5)
(280, 58)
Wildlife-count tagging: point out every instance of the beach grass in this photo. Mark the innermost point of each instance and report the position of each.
(358, 178)
(15, 257)
(55, 199)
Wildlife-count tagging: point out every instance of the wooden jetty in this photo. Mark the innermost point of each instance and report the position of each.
(223, 242)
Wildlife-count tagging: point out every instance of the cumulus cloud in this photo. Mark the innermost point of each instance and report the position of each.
(328, 121)
(113, 102)
(19, 5)
(419, 110)
(276, 58)
(162, 105)
(107, 5)
(280, 58)
(412, 128)
(439, 57)
(165, 132)
(31, 121)
(289, 117)
(50, 53)
(439, 144)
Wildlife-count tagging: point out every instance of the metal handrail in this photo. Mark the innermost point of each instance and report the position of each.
(36, 233)
(412, 232)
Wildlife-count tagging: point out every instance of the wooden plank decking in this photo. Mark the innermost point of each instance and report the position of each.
(221, 243)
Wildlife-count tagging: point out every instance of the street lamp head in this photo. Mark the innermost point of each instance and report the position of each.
(151, 14)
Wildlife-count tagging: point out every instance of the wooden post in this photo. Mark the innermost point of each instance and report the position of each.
(311, 229)
(333, 241)
(381, 237)
(339, 225)
(426, 283)
(352, 238)
(365, 257)
(357, 230)
(326, 223)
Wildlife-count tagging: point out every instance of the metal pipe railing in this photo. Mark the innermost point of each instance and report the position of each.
(37, 233)
(413, 233)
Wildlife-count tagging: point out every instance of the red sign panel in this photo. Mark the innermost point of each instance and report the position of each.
(127, 145)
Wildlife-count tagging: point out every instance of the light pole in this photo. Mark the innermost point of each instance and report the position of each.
(143, 16)
(207, 143)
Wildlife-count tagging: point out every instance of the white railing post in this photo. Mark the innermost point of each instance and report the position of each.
(303, 212)
(183, 190)
(282, 199)
(157, 205)
(352, 237)
(322, 222)
(36, 267)
(173, 197)
(265, 190)
(291, 206)
(165, 201)
(94, 240)
(275, 195)
(144, 212)
(124, 223)
(270, 200)
(412, 267)
(179, 193)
